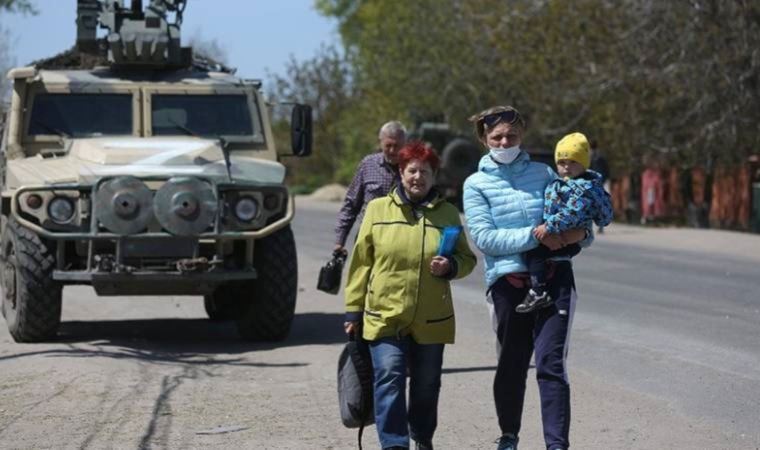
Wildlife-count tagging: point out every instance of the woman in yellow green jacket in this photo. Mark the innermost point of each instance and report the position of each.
(398, 290)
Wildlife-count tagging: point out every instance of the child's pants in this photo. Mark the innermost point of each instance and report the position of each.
(536, 260)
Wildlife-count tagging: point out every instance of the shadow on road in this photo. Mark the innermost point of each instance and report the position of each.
(450, 370)
(187, 341)
(307, 329)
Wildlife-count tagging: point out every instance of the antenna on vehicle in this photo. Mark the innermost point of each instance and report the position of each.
(227, 162)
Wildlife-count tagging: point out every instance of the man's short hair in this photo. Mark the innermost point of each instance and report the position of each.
(392, 128)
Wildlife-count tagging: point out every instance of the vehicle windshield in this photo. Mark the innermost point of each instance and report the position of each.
(81, 115)
(203, 115)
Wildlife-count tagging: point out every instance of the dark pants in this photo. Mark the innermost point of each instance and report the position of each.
(536, 260)
(547, 331)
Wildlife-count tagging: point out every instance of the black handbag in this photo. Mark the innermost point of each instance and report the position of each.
(330, 273)
(355, 390)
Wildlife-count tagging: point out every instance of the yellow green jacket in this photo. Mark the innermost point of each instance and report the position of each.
(389, 278)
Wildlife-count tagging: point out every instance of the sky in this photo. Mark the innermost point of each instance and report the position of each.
(258, 36)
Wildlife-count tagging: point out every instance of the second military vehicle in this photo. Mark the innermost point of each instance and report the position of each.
(459, 157)
(460, 154)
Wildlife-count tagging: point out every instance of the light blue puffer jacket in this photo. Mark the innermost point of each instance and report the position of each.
(502, 205)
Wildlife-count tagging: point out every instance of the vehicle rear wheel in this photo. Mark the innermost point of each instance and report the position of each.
(222, 304)
(268, 310)
(31, 300)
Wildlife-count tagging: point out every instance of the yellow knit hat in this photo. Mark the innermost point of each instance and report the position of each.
(575, 147)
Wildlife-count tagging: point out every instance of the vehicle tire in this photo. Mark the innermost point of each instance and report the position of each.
(31, 300)
(222, 304)
(460, 159)
(267, 313)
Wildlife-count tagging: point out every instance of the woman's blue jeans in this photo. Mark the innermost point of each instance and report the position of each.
(390, 357)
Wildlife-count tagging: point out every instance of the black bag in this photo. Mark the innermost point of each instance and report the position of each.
(330, 273)
(355, 386)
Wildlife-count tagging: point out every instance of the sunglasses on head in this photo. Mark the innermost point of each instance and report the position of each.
(509, 116)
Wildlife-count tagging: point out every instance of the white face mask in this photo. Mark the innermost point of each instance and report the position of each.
(505, 155)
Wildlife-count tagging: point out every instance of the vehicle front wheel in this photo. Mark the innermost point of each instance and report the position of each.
(268, 303)
(31, 300)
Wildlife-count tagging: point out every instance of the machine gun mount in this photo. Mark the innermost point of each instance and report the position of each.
(135, 37)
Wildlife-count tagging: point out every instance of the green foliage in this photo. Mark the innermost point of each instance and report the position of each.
(678, 80)
(341, 136)
(675, 81)
(6, 58)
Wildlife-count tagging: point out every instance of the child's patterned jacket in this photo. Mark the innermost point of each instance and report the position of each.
(576, 202)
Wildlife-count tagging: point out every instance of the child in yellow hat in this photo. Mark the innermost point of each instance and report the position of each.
(574, 200)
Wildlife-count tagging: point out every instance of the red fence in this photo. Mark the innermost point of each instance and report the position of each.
(721, 199)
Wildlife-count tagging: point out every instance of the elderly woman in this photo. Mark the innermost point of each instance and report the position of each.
(398, 290)
(504, 202)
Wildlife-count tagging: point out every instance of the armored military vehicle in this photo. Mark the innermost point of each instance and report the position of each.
(459, 156)
(147, 176)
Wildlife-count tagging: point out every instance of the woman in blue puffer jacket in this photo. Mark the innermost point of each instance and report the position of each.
(503, 204)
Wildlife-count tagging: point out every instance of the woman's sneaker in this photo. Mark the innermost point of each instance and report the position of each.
(508, 442)
(423, 445)
(534, 300)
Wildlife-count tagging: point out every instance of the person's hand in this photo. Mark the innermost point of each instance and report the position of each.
(572, 236)
(553, 241)
(440, 266)
(350, 327)
(340, 249)
(540, 232)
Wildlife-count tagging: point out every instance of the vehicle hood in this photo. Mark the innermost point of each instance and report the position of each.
(90, 159)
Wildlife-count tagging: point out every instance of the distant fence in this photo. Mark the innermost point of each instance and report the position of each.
(727, 198)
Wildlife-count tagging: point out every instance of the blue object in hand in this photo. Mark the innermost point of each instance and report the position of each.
(449, 240)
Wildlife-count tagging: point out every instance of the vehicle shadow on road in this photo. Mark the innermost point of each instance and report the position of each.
(188, 341)
(307, 329)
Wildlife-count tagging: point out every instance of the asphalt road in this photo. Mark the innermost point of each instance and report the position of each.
(665, 353)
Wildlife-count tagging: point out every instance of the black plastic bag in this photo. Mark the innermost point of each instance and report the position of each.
(330, 273)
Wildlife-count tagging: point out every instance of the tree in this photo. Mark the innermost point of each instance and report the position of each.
(324, 82)
(674, 79)
(6, 59)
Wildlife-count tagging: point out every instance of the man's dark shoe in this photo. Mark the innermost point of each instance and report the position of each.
(533, 301)
(423, 445)
(508, 442)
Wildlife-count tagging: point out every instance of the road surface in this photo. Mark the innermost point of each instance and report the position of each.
(665, 353)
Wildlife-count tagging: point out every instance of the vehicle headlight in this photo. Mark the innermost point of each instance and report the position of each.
(246, 209)
(61, 209)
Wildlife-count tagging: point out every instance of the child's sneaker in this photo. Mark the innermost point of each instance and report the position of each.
(534, 300)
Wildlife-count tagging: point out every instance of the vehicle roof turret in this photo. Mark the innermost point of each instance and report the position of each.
(135, 37)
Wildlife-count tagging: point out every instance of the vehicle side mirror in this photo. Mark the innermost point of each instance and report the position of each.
(301, 130)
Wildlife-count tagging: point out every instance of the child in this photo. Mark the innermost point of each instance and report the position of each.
(573, 201)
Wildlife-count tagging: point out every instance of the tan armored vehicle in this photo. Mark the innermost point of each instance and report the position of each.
(145, 177)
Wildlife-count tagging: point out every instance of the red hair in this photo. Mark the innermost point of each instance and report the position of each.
(417, 150)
